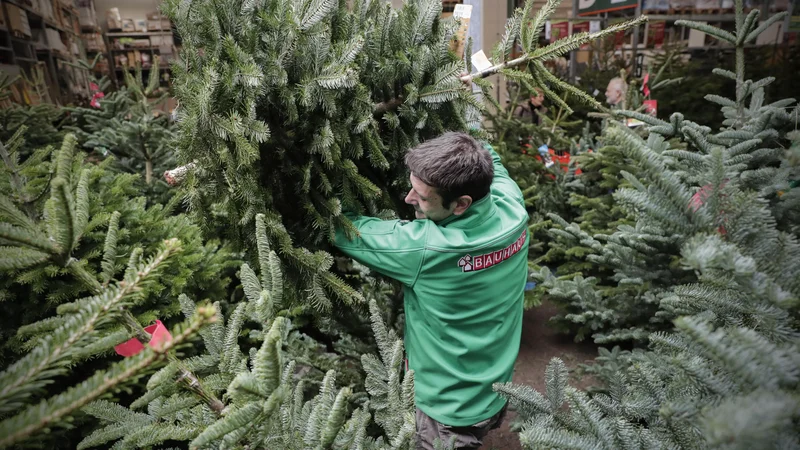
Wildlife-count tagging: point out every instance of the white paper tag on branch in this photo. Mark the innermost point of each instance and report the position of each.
(462, 11)
(594, 26)
(480, 61)
(547, 28)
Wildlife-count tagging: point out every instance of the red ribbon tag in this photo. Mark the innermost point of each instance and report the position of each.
(645, 87)
(133, 347)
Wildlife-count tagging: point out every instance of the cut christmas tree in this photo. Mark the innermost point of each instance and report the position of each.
(298, 110)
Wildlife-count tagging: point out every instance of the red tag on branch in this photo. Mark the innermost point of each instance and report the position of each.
(700, 197)
(133, 347)
(650, 107)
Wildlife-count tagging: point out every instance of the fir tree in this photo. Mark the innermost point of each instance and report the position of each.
(669, 193)
(82, 330)
(298, 110)
(69, 227)
(722, 372)
(42, 120)
(726, 377)
(266, 403)
(130, 125)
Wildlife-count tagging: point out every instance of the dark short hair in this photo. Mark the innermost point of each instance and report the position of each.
(455, 164)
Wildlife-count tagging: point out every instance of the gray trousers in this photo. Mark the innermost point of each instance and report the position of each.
(461, 438)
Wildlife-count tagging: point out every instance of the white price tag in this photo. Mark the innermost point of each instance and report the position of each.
(480, 61)
(462, 11)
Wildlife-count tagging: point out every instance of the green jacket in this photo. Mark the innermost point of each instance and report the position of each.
(464, 279)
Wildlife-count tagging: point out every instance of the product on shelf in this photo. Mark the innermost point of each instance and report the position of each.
(46, 10)
(707, 4)
(113, 20)
(94, 42)
(86, 14)
(18, 21)
(655, 5)
(681, 4)
(157, 22)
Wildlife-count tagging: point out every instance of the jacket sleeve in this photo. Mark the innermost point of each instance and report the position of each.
(392, 247)
(503, 185)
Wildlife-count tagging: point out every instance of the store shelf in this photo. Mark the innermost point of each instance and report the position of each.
(133, 48)
(693, 17)
(38, 16)
(55, 54)
(138, 33)
(132, 69)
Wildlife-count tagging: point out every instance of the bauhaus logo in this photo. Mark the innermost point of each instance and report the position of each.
(469, 263)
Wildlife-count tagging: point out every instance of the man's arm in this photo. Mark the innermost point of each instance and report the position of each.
(392, 247)
(502, 183)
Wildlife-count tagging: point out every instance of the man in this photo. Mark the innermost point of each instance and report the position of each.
(464, 266)
(533, 110)
(615, 91)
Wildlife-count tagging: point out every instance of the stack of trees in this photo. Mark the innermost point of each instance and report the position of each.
(716, 271)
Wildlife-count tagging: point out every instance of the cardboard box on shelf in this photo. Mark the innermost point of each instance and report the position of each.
(140, 24)
(159, 25)
(141, 43)
(707, 4)
(64, 18)
(94, 41)
(33, 5)
(18, 21)
(162, 41)
(655, 5)
(54, 41)
(128, 25)
(113, 20)
(46, 9)
(681, 4)
(86, 14)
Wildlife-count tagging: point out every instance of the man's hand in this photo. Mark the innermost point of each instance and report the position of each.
(466, 79)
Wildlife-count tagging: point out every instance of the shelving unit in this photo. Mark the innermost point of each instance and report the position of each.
(636, 42)
(153, 51)
(47, 39)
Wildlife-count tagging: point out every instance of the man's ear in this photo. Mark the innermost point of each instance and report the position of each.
(462, 204)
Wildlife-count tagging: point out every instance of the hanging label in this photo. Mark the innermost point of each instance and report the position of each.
(462, 11)
(480, 61)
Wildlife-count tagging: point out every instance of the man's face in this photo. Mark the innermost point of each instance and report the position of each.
(613, 93)
(427, 202)
(537, 100)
